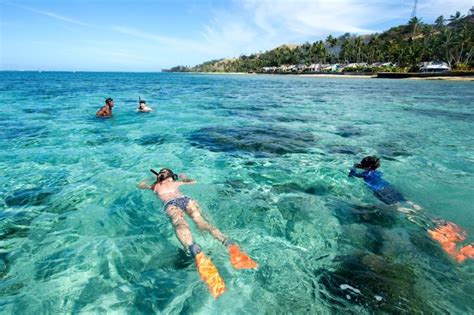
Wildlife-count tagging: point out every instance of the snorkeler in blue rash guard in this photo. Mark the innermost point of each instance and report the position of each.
(373, 178)
(447, 234)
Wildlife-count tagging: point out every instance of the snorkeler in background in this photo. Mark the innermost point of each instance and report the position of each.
(106, 110)
(166, 187)
(447, 234)
(142, 107)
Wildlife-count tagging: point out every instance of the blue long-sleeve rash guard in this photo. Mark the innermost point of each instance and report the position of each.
(381, 188)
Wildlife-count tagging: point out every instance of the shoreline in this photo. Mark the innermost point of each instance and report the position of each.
(347, 76)
(468, 78)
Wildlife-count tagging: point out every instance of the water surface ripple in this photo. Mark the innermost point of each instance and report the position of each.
(271, 155)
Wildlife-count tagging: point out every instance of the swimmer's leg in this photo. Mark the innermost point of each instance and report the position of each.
(414, 206)
(181, 227)
(238, 258)
(194, 211)
(206, 269)
(447, 234)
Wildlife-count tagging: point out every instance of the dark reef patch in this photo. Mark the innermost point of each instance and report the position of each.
(373, 282)
(348, 213)
(152, 139)
(257, 140)
(441, 113)
(314, 189)
(392, 149)
(30, 197)
(348, 131)
(21, 131)
(15, 224)
(341, 149)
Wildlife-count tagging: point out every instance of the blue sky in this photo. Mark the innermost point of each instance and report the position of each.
(146, 35)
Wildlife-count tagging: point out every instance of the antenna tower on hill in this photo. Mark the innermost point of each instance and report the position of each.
(413, 12)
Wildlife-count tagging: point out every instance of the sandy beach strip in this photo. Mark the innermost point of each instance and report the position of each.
(309, 75)
(468, 78)
(328, 75)
(344, 76)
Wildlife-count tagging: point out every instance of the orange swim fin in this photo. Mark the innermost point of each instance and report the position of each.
(210, 275)
(447, 236)
(239, 259)
(465, 253)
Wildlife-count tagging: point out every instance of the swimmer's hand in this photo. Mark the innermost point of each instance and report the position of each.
(144, 185)
(352, 171)
(185, 179)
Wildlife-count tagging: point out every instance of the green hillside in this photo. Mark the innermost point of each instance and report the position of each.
(450, 40)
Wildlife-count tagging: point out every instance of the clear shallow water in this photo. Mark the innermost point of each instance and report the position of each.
(271, 155)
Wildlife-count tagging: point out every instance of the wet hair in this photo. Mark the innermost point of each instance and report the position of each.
(142, 102)
(164, 174)
(108, 100)
(370, 162)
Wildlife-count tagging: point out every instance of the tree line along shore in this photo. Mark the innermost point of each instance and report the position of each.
(445, 47)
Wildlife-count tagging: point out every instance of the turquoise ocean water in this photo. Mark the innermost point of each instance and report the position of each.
(271, 155)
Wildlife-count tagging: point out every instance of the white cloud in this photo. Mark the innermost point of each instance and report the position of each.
(248, 26)
(255, 25)
(54, 15)
(165, 42)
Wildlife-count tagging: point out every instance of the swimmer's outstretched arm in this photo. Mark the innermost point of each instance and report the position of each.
(354, 172)
(144, 184)
(185, 180)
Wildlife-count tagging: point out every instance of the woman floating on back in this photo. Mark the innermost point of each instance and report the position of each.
(166, 187)
(447, 234)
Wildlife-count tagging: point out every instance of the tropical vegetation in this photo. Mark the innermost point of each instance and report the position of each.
(449, 40)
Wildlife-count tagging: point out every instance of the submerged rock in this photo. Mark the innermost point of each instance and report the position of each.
(441, 113)
(22, 131)
(317, 189)
(260, 141)
(348, 131)
(379, 215)
(373, 282)
(4, 265)
(152, 139)
(341, 149)
(30, 197)
(392, 149)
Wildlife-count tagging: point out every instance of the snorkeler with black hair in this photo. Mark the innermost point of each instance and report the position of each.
(445, 233)
(166, 187)
(106, 110)
(142, 107)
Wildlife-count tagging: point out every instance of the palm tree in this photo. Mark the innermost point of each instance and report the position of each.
(414, 25)
(439, 22)
(373, 49)
(447, 39)
(358, 45)
(332, 41)
(456, 17)
(346, 51)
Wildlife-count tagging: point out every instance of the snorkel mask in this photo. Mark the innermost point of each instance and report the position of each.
(164, 174)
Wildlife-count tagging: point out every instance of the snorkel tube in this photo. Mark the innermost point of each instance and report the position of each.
(173, 175)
